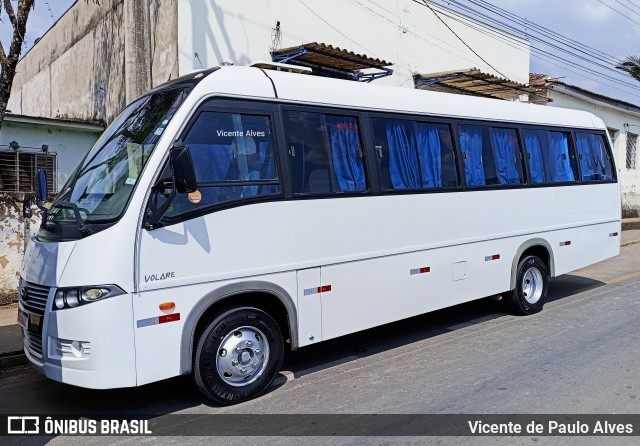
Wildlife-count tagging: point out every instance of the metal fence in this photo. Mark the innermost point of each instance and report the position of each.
(632, 150)
(18, 167)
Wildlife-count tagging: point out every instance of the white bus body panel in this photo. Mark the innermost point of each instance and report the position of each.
(365, 249)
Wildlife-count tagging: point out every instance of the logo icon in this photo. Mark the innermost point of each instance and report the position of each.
(23, 425)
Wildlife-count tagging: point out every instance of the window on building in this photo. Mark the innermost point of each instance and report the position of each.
(595, 161)
(414, 155)
(613, 134)
(325, 153)
(491, 155)
(632, 150)
(17, 169)
(233, 158)
(550, 157)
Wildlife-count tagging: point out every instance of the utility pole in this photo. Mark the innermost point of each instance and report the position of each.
(137, 46)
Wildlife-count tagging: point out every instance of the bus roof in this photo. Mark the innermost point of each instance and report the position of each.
(309, 89)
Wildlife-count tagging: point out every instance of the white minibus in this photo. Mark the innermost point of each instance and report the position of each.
(237, 212)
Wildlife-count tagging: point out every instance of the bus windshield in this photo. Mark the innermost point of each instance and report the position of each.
(103, 182)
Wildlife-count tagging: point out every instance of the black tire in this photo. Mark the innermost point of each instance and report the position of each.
(522, 299)
(248, 322)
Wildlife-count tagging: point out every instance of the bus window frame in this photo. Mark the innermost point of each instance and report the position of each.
(323, 110)
(413, 120)
(218, 105)
(275, 108)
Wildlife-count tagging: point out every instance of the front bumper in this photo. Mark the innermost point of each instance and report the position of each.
(88, 346)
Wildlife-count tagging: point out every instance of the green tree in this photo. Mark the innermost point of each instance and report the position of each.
(631, 66)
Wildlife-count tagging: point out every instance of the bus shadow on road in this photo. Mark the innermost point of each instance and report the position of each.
(397, 334)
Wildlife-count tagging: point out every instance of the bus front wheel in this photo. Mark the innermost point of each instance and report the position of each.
(238, 355)
(532, 282)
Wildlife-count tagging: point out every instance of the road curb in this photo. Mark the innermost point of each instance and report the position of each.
(12, 359)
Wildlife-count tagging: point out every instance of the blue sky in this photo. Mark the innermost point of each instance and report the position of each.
(591, 22)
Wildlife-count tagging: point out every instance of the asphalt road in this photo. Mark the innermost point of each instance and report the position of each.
(580, 355)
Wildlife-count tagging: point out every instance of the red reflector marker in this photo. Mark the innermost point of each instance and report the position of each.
(493, 257)
(324, 289)
(613, 234)
(567, 243)
(169, 318)
(426, 269)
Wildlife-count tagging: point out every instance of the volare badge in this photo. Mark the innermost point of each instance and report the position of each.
(195, 197)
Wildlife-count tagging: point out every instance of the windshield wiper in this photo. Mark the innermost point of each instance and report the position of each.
(84, 230)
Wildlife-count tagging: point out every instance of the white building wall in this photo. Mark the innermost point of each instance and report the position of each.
(615, 119)
(69, 145)
(400, 31)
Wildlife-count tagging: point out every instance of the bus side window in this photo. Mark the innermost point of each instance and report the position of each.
(325, 153)
(549, 156)
(491, 155)
(437, 160)
(414, 155)
(233, 158)
(595, 162)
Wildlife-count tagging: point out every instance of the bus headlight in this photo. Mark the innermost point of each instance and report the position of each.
(73, 297)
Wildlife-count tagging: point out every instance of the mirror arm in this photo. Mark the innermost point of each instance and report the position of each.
(84, 230)
(155, 214)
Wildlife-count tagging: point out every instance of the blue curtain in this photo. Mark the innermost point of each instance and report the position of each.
(345, 148)
(212, 162)
(505, 153)
(593, 157)
(403, 160)
(559, 169)
(536, 160)
(471, 144)
(430, 149)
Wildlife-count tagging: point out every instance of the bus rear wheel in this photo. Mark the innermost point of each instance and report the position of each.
(532, 283)
(238, 355)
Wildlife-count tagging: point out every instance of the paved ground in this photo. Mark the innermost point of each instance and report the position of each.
(580, 355)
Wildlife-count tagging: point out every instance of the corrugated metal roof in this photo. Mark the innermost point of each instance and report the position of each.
(321, 54)
(474, 82)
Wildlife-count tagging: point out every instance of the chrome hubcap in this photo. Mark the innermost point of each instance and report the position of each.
(242, 356)
(532, 284)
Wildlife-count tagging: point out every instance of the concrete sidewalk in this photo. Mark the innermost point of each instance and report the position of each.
(11, 338)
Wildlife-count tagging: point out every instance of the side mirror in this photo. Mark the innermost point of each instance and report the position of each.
(184, 182)
(40, 185)
(184, 174)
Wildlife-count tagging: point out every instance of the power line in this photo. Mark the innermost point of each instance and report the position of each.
(461, 40)
(635, 11)
(545, 32)
(347, 37)
(548, 36)
(411, 32)
(609, 60)
(559, 58)
(549, 58)
(621, 13)
(453, 52)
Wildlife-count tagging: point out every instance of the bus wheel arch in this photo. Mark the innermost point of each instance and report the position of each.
(532, 267)
(264, 296)
(535, 247)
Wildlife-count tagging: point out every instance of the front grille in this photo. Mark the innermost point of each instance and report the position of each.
(34, 298)
(33, 343)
